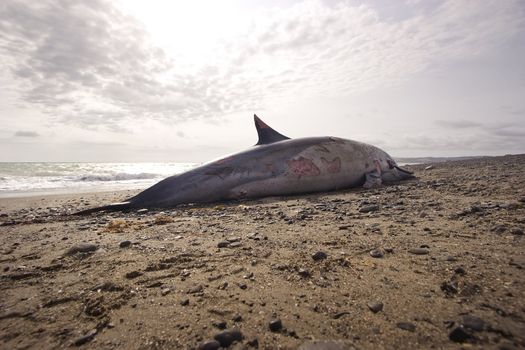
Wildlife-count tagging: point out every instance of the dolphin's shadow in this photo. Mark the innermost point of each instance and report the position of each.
(310, 197)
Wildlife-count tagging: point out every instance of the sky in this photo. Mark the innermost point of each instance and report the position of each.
(179, 81)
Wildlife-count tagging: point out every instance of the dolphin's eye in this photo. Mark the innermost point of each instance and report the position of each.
(391, 163)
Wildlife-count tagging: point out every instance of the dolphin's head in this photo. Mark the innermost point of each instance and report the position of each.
(395, 173)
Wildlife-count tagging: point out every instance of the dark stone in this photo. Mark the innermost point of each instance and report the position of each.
(474, 323)
(338, 315)
(498, 228)
(196, 289)
(124, 244)
(376, 253)
(516, 231)
(418, 251)
(304, 273)
(81, 248)
(86, 338)
(319, 255)
(237, 318)
(226, 338)
(223, 244)
(209, 345)
(275, 325)
(407, 326)
(254, 343)
(133, 274)
(460, 335)
(369, 208)
(459, 270)
(185, 302)
(375, 307)
(220, 324)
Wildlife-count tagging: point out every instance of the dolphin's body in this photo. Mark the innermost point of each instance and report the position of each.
(276, 165)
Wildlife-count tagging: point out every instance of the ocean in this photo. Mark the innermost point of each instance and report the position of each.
(33, 178)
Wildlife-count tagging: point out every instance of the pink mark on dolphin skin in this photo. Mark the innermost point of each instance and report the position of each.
(303, 167)
(333, 166)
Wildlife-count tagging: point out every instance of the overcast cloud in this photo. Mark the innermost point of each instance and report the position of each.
(418, 78)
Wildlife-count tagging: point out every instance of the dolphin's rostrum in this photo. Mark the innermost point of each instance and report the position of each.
(276, 165)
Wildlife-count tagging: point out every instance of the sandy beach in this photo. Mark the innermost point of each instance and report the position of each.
(437, 262)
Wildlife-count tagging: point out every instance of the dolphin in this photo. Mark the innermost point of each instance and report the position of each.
(275, 166)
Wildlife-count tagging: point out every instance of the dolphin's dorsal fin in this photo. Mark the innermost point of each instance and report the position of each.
(266, 134)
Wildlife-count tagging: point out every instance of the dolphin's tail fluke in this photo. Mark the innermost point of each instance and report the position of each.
(110, 207)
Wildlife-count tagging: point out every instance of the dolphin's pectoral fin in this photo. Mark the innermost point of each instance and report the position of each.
(266, 134)
(373, 179)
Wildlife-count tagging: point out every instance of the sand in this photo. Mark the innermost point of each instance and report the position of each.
(436, 262)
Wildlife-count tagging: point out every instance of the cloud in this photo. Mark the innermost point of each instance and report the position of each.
(457, 124)
(464, 137)
(90, 65)
(21, 133)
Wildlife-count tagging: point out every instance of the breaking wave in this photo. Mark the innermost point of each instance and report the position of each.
(117, 177)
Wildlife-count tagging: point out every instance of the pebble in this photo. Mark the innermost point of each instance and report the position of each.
(375, 307)
(516, 231)
(124, 244)
(209, 345)
(223, 244)
(460, 335)
(474, 323)
(196, 289)
(226, 338)
(185, 302)
(142, 211)
(81, 248)
(319, 256)
(303, 273)
(133, 274)
(407, 326)
(376, 253)
(165, 291)
(237, 318)
(86, 338)
(498, 228)
(220, 324)
(460, 270)
(369, 208)
(254, 343)
(430, 167)
(275, 325)
(418, 251)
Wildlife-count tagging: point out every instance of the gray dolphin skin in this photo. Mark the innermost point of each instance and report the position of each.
(275, 166)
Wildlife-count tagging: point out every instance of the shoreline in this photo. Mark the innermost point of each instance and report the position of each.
(433, 262)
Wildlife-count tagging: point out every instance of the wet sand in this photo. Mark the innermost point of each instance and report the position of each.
(436, 262)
